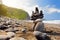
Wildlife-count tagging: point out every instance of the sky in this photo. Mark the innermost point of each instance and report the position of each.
(51, 8)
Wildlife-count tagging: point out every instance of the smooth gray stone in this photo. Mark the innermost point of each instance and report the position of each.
(17, 38)
(10, 34)
(36, 33)
(39, 27)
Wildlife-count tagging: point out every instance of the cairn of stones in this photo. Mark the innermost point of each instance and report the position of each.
(38, 28)
(37, 18)
(37, 14)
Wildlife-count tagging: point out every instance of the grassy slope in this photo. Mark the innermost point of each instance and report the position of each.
(15, 13)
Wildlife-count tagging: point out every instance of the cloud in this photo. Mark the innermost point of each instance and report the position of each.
(0, 1)
(53, 22)
(29, 6)
(51, 9)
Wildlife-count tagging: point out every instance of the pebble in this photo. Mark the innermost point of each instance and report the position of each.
(10, 34)
(36, 33)
(24, 30)
(3, 37)
(17, 38)
(38, 20)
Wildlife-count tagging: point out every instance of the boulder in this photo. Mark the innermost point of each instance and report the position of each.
(39, 27)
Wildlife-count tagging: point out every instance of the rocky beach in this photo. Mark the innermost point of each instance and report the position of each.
(14, 29)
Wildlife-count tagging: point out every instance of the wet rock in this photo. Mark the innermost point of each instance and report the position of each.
(3, 27)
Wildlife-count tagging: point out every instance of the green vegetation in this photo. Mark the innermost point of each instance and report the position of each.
(12, 12)
(3, 10)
